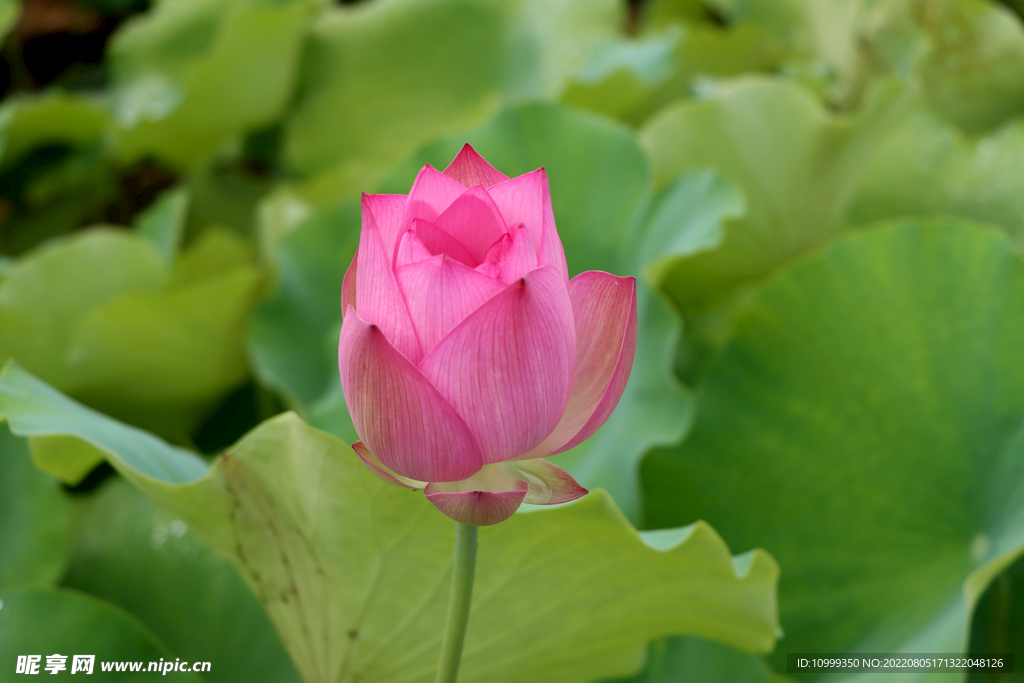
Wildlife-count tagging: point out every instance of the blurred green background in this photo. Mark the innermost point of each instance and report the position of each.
(823, 202)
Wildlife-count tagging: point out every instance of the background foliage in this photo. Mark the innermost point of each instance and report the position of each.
(823, 202)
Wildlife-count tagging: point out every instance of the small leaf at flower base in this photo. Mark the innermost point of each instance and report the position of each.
(34, 518)
(869, 405)
(48, 621)
(338, 557)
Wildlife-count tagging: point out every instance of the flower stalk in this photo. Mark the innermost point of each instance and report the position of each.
(459, 602)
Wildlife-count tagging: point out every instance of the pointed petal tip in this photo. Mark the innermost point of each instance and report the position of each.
(548, 483)
(470, 168)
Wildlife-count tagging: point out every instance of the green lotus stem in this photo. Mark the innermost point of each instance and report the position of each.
(458, 603)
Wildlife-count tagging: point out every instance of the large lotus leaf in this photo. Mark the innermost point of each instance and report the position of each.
(378, 84)
(54, 118)
(34, 518)
(796, 164)
(353, 572)
(189, 74)
(869, 408)
(129, 552)
(927, 166)
(50, 290)
(103, 318)
(47, 621)
(160, 360)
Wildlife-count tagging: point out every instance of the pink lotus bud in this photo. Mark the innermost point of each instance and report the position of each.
(466, 353)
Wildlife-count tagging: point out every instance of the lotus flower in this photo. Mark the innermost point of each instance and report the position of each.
(466, 354)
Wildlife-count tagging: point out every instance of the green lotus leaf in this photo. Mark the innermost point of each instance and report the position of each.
(130, 553)
(188, 75)
(378, 84)
(796, 165)
(998, 623)
(53, 118)
(968, 55)
(53, 174)
(102, 317)
(688, 659)
(655, 409)
(675, 55)
(34, 519)
(869, 406)
(353, 572)
(927, 166)
(48, 621)
(293, 336)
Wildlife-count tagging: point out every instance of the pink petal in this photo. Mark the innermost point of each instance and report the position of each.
(378, 469)
(606, 328)
(348, 284)
(507, 368)
(548, 483)
(441, 293)
(437, 241)
(432, 192)
(410, 249)
(386, 212)
(488, 497)
(469, 168)
(474, 221)
(526, 199)
(401, 417)
(378, 298)
(521, 257)
(491, 265)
